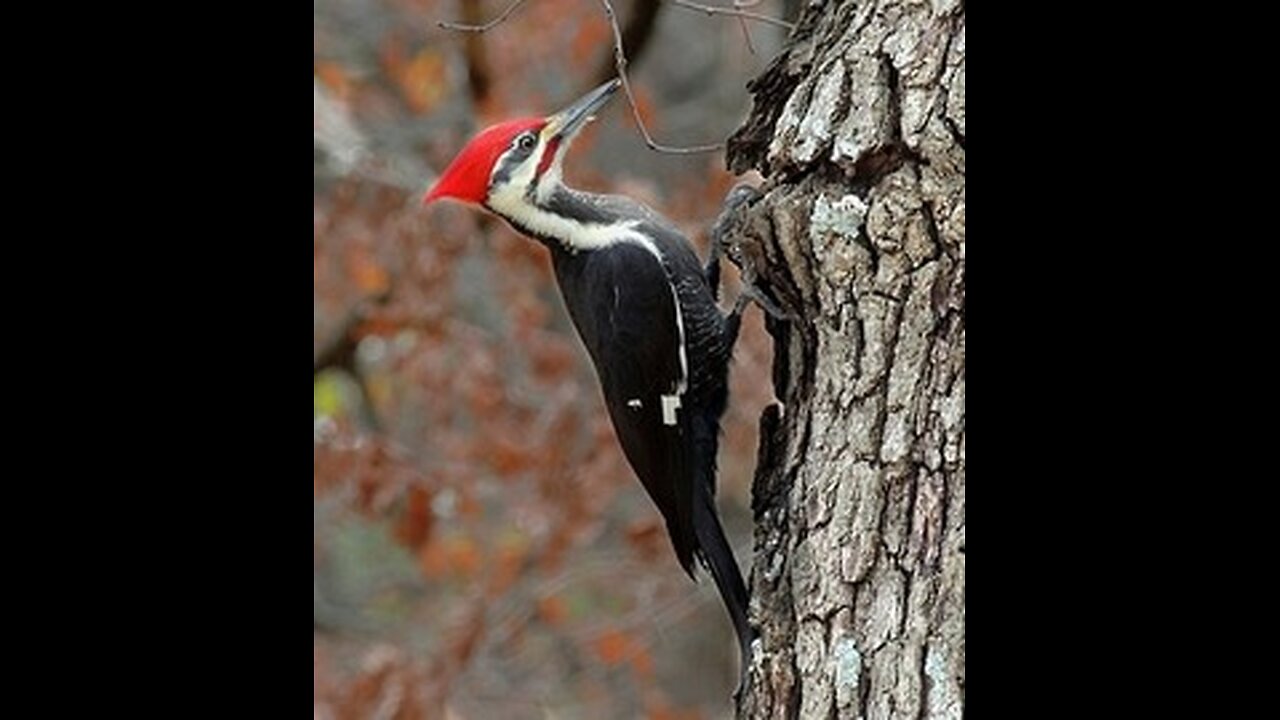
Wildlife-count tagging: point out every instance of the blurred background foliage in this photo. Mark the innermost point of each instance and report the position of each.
(480, 547)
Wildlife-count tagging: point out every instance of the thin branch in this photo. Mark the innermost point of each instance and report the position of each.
(620, 58)
(635, 38)
(742, 22)
(464, 27)
(746, 34)
(735, 11)
(620, 62)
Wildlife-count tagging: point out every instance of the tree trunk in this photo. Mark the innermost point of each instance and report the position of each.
(858, 574)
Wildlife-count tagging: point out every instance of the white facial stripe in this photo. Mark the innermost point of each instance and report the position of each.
(509, 201)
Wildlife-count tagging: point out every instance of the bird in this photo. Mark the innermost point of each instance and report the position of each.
(646, 310)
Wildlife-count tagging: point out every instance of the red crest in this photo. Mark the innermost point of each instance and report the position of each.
(467, 177)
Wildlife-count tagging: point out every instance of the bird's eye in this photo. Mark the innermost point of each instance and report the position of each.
(526, 142)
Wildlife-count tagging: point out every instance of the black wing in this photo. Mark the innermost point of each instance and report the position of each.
(635, 340)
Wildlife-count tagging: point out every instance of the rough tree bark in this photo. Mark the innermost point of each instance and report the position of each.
(858, 576)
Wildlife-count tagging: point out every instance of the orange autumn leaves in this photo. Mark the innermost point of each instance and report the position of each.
(528, 556)
(615, 647)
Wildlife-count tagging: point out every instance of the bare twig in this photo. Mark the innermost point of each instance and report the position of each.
(635, 38)
(620, 57)
(742, 22)
(735, 11)
(620, 62)
(464, 27)
(746, 35)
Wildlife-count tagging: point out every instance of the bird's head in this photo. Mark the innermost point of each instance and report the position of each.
(508, 166)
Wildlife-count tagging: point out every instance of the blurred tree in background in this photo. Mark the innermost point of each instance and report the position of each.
(480, 547)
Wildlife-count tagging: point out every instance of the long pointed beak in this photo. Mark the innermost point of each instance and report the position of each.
(569, 121)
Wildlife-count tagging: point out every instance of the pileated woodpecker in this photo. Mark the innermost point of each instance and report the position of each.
(646, 311)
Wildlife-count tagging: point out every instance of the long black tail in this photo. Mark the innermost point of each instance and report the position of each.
(718, 558)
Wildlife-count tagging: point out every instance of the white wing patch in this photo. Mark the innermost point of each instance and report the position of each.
(669, 405)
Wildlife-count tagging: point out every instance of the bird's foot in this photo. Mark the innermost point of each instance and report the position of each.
(726, 225)
(750, 293)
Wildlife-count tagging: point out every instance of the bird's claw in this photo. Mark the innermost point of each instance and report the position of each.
(751, 293)
(724, 226)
